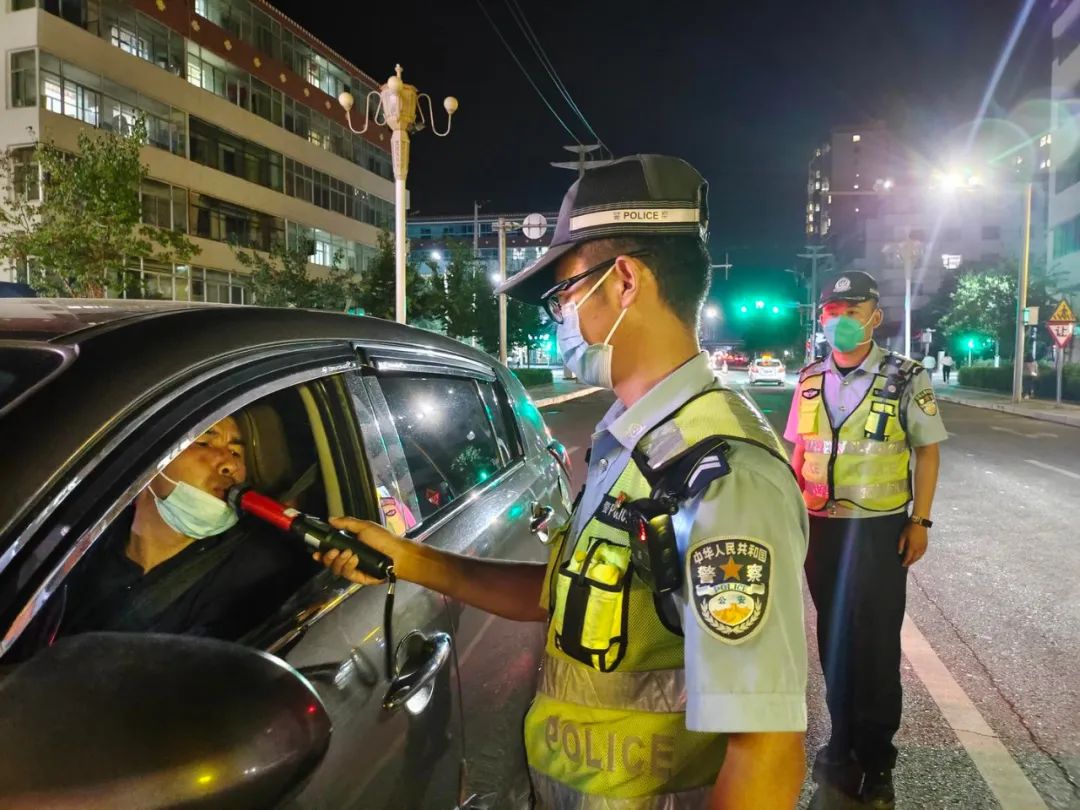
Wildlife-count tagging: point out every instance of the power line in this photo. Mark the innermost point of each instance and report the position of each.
(538, 49)
(517, 61)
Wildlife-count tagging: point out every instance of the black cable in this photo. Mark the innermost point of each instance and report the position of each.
(534, 42)
(510, 50)
(388, 624)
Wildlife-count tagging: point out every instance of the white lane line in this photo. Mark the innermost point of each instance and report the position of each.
(1052, 468)
(1003, 776)
(1040, 435)
(544, 403)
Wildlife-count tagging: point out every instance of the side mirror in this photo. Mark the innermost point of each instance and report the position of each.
(107, 720)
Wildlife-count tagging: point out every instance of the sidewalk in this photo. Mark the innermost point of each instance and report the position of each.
(1041, 409)
(559, 391)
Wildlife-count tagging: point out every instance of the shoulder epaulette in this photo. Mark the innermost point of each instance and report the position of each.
(810, 370)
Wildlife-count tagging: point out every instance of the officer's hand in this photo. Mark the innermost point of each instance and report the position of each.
(343, 563)
(913, 541)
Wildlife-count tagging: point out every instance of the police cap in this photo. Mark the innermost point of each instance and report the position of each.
(853, 286)
(640, 195)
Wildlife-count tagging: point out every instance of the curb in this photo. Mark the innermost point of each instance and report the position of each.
(544, 403)
(1009, 408)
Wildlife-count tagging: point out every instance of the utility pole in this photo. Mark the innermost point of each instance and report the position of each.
(726, 266)
(502, 225)
(815, 253)
(582, 163)
(476, 228)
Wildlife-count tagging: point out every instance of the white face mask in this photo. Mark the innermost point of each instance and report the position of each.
(192, 512)
(591, 363)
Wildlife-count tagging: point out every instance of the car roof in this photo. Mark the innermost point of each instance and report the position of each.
(122, 350)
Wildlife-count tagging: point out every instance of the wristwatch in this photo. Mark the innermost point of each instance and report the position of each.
(921, 521)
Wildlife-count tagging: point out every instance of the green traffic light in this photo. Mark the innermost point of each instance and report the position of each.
(971, 343)
(742, 309)
(775, 310)
(759, 305)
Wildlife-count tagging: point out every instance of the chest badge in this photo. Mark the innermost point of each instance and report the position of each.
(810, 393)
(730, 582)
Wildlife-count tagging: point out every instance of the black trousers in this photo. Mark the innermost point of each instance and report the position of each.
(859, 588)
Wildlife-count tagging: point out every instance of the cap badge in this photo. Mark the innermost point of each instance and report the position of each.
(843, 284)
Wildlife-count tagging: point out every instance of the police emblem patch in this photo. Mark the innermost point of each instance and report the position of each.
(843, 284)
(730, 580)
(810, 393)
(926, 402)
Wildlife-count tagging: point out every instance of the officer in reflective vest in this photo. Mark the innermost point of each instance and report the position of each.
(690, 696)
(856, 418)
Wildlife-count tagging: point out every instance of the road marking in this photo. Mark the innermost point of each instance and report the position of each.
(1052, 468)
(999, 770)
(544, 403)
(1001, 429)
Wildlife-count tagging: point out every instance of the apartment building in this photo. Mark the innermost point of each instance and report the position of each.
(246, 141)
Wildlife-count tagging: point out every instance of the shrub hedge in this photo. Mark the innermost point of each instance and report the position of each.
(532, 377)
(1000, 379)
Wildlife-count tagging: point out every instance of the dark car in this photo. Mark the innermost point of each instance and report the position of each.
(284, 699)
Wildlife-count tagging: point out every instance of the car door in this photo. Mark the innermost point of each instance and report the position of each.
(470, 466)
(330, 630)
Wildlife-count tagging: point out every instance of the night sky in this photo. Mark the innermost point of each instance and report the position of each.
(744, 91)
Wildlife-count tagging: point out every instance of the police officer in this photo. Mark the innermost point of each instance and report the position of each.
(857, 417)
(674, 673)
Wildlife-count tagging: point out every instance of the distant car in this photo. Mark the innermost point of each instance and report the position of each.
(733, 359)
(767, 369)
(344, 415)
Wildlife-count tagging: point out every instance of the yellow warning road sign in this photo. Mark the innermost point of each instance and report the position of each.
(1063, 313)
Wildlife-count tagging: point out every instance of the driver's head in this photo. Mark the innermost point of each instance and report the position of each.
(213, 463)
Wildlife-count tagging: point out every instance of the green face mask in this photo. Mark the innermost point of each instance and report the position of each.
(844, 333)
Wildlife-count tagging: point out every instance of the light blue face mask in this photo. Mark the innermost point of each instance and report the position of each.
(192, 512)
(590, 363)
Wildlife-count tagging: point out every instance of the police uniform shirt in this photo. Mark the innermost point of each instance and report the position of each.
(757, 683)
(844, 393)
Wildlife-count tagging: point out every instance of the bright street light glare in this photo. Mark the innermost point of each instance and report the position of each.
(742, 308)
(436, 256)
(776, 310)
(951, 181)
(711, 313)
(888, 184)
(495, 278)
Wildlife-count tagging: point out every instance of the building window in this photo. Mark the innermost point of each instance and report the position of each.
(952, 235)
(222, 221)
(951, 261)
(26, 177)
(1067, 237)
(991, 232)
(856, 138)
(156, 201)
(24, 79)
(917, 234)
(233, 155)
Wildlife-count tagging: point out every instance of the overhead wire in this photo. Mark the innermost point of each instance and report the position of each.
(526, 73)
(538, 49)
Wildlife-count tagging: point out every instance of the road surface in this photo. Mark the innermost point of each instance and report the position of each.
(991, 667)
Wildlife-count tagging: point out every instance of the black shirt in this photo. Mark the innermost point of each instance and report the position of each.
(220, 586)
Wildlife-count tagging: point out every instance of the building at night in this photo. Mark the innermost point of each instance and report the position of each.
(246, 141)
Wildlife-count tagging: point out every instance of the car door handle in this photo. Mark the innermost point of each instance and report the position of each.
(414, 683)
(541, 521)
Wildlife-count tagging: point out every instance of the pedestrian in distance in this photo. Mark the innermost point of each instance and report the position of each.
(674, 671)
(946, 367)
(857, 419)
(1031, 376)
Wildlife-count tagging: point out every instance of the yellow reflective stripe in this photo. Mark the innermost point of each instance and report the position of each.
(855, 447)
(551, 794)
(661, 690)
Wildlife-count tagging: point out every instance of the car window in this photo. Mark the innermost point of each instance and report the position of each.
(177, 559)
(446, 436)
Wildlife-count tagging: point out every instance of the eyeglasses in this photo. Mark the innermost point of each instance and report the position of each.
(551, 301)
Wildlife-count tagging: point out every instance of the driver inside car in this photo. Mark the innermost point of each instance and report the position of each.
(176, 561)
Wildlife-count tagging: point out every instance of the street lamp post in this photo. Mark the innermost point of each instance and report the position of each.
(1021, 301)
(399, 103)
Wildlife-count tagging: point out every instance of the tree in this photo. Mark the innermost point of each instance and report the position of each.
(281, 279)
(462, 284)
(86, 228)
(375, 292)
(983, 301)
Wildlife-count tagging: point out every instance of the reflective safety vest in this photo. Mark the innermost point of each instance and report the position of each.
(607, 728)
(865, 461)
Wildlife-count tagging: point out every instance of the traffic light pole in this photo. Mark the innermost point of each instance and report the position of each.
(814, 254)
